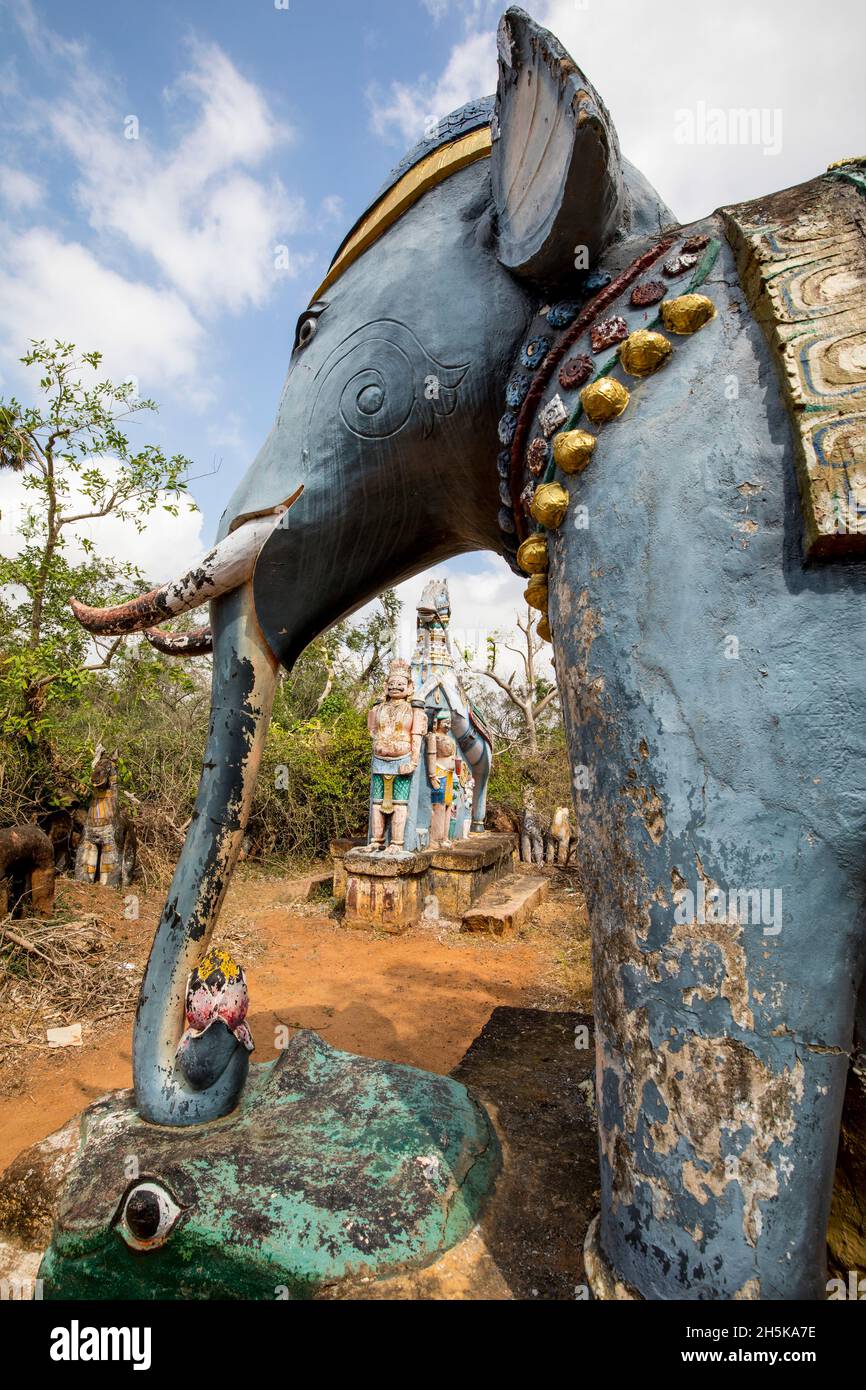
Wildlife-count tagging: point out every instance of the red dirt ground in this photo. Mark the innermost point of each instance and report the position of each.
(420, 998)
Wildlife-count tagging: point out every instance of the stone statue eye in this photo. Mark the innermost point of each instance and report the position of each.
(148, 1216)
(307, 325)
(306, 331)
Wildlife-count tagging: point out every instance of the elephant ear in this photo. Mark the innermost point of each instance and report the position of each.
(556, 168)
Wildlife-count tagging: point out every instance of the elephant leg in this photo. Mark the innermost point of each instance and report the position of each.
(42, 891)
(724, 925)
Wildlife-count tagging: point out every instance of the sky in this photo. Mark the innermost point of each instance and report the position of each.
(175, 177)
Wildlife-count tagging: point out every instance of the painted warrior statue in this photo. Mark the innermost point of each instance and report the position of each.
(397, 725)
(441, 759)
(106, 850)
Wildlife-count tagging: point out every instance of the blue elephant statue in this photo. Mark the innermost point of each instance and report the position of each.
(663, 428)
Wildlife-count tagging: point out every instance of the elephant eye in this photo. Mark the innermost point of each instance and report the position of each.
(148, 1216)
(307, 325)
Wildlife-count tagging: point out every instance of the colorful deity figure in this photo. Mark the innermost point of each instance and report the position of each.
(441, 759)
(437, 679)
(397, 726)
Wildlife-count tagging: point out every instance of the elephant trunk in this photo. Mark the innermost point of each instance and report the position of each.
(244, 682)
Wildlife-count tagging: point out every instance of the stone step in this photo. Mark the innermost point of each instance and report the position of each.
(310, 886)
(506, 904)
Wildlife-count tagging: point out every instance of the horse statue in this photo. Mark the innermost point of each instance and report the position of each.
(437, 681)
(107, 849)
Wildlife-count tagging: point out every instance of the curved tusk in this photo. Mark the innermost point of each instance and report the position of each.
(224, 568)
(197, 642)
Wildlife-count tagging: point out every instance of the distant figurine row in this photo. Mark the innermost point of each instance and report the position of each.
(103, 842)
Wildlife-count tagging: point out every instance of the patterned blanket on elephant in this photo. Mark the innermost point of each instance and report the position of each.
(801, 255)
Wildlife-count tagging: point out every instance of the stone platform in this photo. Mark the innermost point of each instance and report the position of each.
(389, 891)
(334, 1169)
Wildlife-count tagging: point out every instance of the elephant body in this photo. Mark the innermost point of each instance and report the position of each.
(722, 1045)
(705, 617)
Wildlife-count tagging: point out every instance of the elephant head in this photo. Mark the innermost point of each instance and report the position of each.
(390, 406)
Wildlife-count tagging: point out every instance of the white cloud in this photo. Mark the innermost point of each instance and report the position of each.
(18, 190)
(184, 229)
(437, 9)
(50, 288)
(332, 209)
(47, 45)
(407, 110)
(649, 62)
(210, 224)
(793, 57)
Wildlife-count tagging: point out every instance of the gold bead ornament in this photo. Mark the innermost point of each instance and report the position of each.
(604, 399)
(549, 505)
(535, 592)
(532, 555)
(573, 450)
(643, 352)
(688, 313)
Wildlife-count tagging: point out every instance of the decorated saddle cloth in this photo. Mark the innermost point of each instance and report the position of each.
(801, 256)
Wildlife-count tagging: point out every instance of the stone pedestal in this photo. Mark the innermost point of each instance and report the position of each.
(339, 849)
(384, 890)
(460, 873)
(388, 891)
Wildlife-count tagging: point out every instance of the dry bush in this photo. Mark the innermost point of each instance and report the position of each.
(54, 972)
(548, 774)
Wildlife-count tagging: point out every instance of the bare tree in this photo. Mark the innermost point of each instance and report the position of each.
(533, 694)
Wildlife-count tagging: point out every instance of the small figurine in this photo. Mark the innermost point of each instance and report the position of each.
(469, 796)
(559, 838)
(531, 831)
(441, 758)
(397, 725)
(436, 675)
